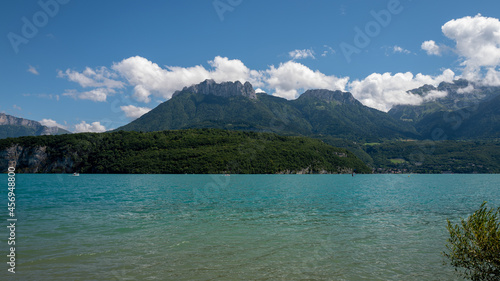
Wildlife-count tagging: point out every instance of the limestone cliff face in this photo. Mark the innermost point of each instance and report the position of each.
(35, 160)
(14, 121)
(225, 89)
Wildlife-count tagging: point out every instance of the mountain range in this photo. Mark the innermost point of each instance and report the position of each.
(236, 106)
(457, 130)
(467, 111)
(460, 110)
(11, 127)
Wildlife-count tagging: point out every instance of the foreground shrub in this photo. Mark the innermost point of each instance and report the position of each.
(474, 245)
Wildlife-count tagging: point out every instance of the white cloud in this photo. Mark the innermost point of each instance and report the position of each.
(98, 95)
(259, 90)
(435, 94)
(291, 76)
(382, 91)
(51, 123)
(477, 40)
(95, 78)
(431, 48)
(95, 127)
(233, 70)
(301, 54)
(492, 78)
(398, 49)
(466, 90)
(478, 45)
(142, 94)
(288, 80)
(134, 111)
(33, 70)
(149, 79)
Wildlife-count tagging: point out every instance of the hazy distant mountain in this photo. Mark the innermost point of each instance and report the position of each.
(236, 106)
(468, 111)
(11, 127)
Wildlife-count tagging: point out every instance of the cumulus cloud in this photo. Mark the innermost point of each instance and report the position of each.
(95, 127)
(382, 91)
(492, 77)
(431, 48)
(51, 123)
(101, 79)
(301, 54)
(435, 94)
(149, 79)
(99, 95)
(233, 70)
(289, 77)
(466, 90)
(478, 45)
(33, 70)
(95, 78)
(477, 39)
(133, 111)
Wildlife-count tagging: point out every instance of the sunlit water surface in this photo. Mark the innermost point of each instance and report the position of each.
(239, 227)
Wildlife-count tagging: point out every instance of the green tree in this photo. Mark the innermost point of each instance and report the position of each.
(474, 245)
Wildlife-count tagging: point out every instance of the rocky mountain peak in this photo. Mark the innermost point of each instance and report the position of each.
(454, 86)
(422, 91)
(329, 96)
(224, 89)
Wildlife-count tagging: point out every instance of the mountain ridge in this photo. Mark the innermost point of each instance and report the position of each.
(467, 111)
(316, 112)
(11, 126)
(321, 112)
(224, 89)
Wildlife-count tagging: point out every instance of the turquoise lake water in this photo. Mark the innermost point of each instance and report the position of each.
(239, 227)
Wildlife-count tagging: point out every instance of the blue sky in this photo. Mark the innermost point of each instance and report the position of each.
(97, 65)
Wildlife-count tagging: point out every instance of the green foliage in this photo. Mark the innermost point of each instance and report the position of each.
(190, 151)
(432, 156)
(474, 245)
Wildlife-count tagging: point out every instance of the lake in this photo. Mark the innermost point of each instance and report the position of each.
(238, 227)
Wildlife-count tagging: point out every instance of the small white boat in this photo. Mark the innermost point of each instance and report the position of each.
(76, 174)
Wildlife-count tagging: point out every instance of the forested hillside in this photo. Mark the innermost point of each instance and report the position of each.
(201, 151)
